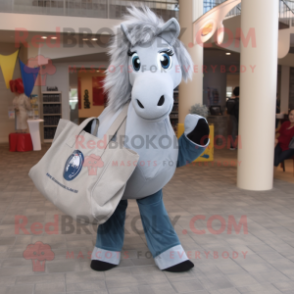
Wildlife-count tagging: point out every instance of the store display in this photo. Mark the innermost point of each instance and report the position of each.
(51, 120)
(51, 97)
(35, 106)
(52, 112)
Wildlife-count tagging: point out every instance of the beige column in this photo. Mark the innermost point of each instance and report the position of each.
(258, 87)
(192, 92)
(285, 88)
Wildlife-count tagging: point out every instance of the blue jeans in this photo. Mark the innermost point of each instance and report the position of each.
(281, 155)
(159, 232)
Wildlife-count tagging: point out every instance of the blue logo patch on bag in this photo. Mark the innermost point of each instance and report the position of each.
(73, 165)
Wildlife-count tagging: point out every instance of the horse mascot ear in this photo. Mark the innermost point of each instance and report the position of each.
(169, 31)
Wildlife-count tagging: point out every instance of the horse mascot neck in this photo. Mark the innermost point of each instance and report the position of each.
(147, 62)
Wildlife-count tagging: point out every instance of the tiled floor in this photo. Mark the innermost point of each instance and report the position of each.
(259, 261)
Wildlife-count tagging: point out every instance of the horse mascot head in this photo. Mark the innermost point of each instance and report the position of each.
(153, 62)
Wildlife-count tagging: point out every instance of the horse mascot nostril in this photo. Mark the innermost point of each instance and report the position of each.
(150, 63)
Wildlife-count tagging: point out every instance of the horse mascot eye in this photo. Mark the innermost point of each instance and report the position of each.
(136, 62)
(165, 60)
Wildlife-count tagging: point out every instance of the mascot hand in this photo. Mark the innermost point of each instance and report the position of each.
(197, 129)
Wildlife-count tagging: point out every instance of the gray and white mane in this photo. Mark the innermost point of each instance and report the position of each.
(143, 28)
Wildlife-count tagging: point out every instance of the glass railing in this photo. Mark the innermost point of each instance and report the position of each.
(209, 4)
(286, 14)
(286, 10)
(114, 9)
(290, 4)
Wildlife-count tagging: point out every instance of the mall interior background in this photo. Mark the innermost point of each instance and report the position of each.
(220, 71)
(203, 188)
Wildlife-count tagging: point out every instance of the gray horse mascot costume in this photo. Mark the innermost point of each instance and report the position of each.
(147, 62)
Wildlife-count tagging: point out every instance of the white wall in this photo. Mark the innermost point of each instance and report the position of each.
(65, 52)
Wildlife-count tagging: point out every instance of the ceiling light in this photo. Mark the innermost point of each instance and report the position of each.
(85, 39)
(228, 53)
(98, 70)
(94, 39)
(53, 38)
(44, 37)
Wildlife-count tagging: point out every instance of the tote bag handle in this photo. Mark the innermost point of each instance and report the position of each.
(71, 141)
(111, 132)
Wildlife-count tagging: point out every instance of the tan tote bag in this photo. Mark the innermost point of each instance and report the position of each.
(85, 176)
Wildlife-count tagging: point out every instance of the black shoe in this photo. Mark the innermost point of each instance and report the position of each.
(181, 267)
(101, 266)
(232, 148)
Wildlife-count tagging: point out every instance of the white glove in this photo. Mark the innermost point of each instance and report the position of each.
(191, 122)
